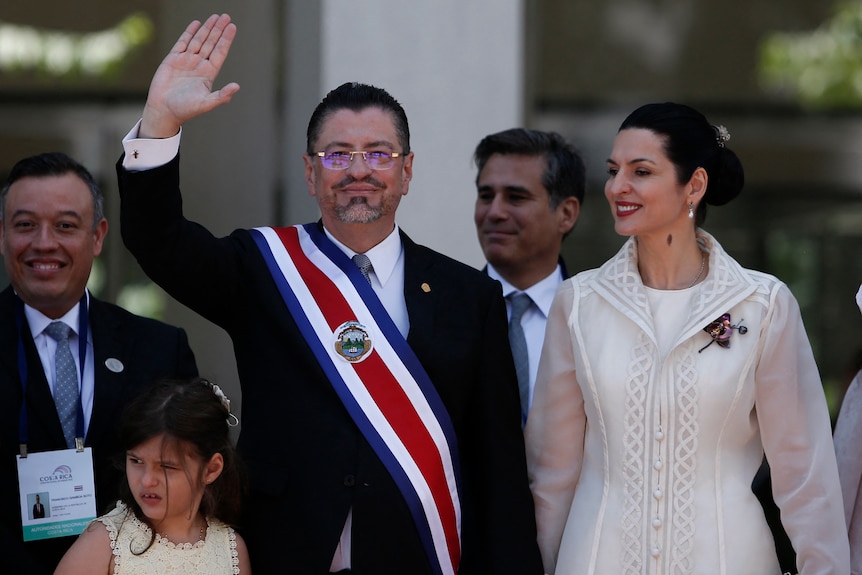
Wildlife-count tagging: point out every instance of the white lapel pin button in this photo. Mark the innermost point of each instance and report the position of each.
(114, 364)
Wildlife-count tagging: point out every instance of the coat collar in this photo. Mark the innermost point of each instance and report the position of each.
(111, 341)
(727, 283)
(421, 289)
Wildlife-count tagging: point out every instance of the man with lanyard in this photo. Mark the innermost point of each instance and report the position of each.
(69, 363)
(530, 186)
(380, 405)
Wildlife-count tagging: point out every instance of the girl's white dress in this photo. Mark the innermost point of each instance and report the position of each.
(216, 555)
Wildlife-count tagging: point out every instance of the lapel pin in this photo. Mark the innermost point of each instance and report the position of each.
(114, 364)
(425, 287)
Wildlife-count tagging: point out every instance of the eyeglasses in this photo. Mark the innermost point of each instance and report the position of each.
(374, 160)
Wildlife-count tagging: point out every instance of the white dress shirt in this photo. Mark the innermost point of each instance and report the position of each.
(144, 153)
(387, 275)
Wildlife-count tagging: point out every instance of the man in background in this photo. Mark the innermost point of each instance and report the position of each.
(530, 187)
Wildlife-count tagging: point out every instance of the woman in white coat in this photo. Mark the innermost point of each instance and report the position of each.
(667, 374)
(848, 430)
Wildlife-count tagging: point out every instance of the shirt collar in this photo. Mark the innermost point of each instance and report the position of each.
(383, 256)
(39, 321)
(541, 292)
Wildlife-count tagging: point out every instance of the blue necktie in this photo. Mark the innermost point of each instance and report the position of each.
(66, 380)
(520, 303)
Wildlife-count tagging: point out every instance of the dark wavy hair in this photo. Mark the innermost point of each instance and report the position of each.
(53, 164)
(564, 175)
(356, 97)
(194, 422)
(690, 142)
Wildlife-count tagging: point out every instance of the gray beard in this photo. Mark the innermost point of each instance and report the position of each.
(358, 212)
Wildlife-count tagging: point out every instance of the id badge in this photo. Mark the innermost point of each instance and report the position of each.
(57, 491)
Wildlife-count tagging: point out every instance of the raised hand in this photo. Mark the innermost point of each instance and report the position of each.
(182, 87)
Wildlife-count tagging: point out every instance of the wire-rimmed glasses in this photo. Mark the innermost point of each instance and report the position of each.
(340, 160)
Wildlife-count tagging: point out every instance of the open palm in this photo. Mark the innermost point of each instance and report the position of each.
(182, 87)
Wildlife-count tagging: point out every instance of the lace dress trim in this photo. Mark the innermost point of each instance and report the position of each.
(130, 537)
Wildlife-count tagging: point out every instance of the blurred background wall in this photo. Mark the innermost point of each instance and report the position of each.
(784, 77)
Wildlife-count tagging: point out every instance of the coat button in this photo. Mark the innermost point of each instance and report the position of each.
(349, 480)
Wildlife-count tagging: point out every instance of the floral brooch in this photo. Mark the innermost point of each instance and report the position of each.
(720, 331)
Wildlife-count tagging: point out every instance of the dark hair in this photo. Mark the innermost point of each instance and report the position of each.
(194, 421)
(357, 97)
(564, 175)
(53, 164)
(690, 141)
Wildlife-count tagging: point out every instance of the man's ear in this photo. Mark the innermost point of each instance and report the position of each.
(309, 173)
(568, 211)
(407, 173)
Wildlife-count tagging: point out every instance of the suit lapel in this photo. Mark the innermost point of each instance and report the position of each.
(419, 293)
(41, 412)
(8, 343)
(564, 271)
(108, 343)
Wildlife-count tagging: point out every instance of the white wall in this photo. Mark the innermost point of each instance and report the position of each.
(456, 67)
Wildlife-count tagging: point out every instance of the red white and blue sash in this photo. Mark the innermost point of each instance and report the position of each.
(377, 376)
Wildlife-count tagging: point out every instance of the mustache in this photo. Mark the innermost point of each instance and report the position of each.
(348, 180)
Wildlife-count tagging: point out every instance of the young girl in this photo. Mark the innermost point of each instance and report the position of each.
(182, 472)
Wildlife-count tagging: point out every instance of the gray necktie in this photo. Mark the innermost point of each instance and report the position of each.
(66, 382)
(520, 303)
(364, 265)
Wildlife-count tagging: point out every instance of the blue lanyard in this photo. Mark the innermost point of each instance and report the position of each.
(23, 374)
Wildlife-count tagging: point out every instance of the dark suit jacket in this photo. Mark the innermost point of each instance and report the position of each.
(148, 349)
(308, 462)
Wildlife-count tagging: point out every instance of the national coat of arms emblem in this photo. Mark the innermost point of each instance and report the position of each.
(352, 341)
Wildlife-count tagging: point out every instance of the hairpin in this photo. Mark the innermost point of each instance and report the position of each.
(232, 420)
(721, 135)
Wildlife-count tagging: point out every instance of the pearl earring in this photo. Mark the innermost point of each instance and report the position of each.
(691, 210)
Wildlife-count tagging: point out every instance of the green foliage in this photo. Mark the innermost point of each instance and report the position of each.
(820, 69)
(57, 54)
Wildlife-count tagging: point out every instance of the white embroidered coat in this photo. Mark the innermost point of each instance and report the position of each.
(848, 450)
(643, 465)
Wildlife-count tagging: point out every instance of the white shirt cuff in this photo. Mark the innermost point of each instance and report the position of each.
(148, 153)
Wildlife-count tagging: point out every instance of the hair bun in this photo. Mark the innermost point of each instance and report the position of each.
(727, 180)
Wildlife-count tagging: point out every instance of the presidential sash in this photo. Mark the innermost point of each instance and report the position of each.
(376, 375)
